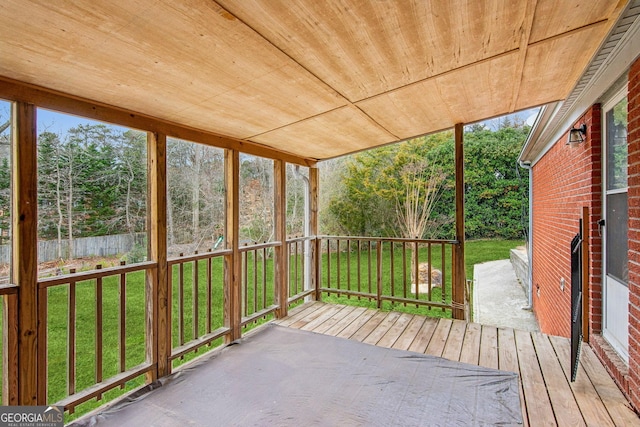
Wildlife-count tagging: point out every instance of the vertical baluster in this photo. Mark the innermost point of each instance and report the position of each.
(429, 283)
(329, 263)
(295, 261)
(264, 277)
(369, 273)
(71, 338)
(123, 321)
(348, 264)
(99, 328)
(209, 286)
(404, 271)
(245, 282)
(194, 291)
(392, 268)
(444, 277)
(181, 302)
(338, 264)
(379, 273)
(416, 269)
(255, 281)
(42, 340)
(358, 254)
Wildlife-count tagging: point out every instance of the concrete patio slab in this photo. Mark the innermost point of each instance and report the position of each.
(499, 299)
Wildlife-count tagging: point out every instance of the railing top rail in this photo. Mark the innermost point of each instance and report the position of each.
(264, 245)
(198, 256)
(391, 239)
(8, 289)
(94, 274)
(299, 239)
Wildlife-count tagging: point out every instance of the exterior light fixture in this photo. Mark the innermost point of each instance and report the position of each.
(577, 135)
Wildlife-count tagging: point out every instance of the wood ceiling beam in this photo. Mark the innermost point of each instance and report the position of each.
(13, 90)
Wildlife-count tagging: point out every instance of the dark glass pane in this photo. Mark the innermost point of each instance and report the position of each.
(617, 237)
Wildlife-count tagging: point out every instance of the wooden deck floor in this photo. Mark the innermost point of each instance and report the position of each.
(546, 394)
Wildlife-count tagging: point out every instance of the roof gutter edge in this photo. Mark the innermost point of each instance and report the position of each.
(533, 147)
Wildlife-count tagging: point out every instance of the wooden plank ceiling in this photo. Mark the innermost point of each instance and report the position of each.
(317, 79)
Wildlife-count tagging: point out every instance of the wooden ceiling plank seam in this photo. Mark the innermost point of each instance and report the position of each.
(525, 36)
(315, 116)
(337, 92)
(397, 137)
(559, 17)
(342, 131)
(580, 55)
(572, 32)
(12, 90)
(251, 138)
(436, 76)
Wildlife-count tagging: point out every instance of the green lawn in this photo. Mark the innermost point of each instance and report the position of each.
(58, 309)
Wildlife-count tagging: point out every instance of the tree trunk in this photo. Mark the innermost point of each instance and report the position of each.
(195, 196)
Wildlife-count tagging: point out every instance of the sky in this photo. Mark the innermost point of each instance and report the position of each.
(60, 123)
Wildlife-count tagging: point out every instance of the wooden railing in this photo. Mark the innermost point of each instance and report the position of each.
(196, 298)
(300, 251)
(384, 270)
(80, 315)
(84, 316)
(258, 289)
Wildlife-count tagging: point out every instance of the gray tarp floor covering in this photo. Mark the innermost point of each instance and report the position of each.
(287, 377)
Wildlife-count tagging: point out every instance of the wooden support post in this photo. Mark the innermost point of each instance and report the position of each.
(232, 262)
(281, 252)
(158, 346)
(459, 277)
(24, 248)
(313, 230)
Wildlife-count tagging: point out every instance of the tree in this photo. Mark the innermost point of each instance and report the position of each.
(392, 190)
(422, 184)
(382, 191)
(256, 199)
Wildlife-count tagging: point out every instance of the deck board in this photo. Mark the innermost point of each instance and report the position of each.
(384, 326)
(335, 319)
(351, 329)
(542, 362)
(489, 347)
(393, 334)
(322, 318)
(592, 408)
(371, 324)
(439, 337)
(345, 322)
(564, 405)
(453, 346)
(471, 345)
(421, 341)
(617, 406)
(408, 336)
(535, 393)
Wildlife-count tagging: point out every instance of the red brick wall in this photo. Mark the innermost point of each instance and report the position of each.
(633, 139)
(565, 180)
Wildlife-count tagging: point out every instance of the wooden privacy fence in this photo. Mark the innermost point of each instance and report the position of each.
(51, 250)
(105, 331)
